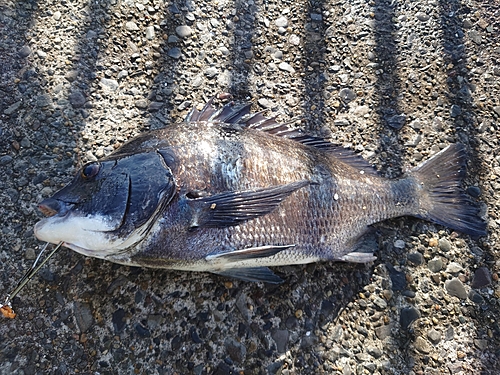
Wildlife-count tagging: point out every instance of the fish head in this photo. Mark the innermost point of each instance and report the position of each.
(109, 206)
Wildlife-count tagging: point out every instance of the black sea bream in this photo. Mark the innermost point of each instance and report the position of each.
(232, 193)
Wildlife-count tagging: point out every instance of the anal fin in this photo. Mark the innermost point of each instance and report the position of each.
(362, 249)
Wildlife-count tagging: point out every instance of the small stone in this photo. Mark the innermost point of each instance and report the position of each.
(422, 345)
(280, 337)
(444, 245)
(184, 31)
(449, 334)
(265, 103)
(380, 303)
(214, 22)
(46, 191)
(118, 319)
(482, 277)
(474, 191)
(173, 39)
(415, 258)
(30, 254)
(341, 122)
(409, 293)
(456, 288)
(241, 304)
(91, 34)
(286, 67)
(475, 36)
(142, 331)
(197, 81)
(476, 297)
(6, 159)
(83, 316)
(155, 106)
(347, 95)
(116, 283)
(109, 84)
(122, 74)
(12, 108)
(76, 99)
(57, 15)
(225, 51)
(399, 244)
(383, 332)
(141, 103)
(496, 109)
(433, 242)
(387, 294)
(467, 24)
(25, 51)
(72, 75)
(374, 351)
(186, 104)
(481, 344)
(281, 22)
(408, 316)
(43, 100)
(454, 267)
(434, 336)
(308, 341)
(131, 26)
(294, 39)
(455, 110)
(316, 17)
(175, 53)
(421, 16)
(396, 121)
(361, 110)
(211, 72)
(236, 350)
(150, 32)
(154, 321)
(435, 265)
(41, 54)
(398, 278)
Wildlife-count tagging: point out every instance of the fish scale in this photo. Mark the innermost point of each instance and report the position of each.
(234, 193)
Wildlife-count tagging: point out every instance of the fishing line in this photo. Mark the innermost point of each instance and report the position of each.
(30, 273)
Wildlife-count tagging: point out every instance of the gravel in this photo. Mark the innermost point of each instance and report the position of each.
(394, 81)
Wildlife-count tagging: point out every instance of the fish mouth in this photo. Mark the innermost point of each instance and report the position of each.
(51, 207)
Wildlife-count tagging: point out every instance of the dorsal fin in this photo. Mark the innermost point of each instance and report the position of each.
(348, 156)
(232, 113)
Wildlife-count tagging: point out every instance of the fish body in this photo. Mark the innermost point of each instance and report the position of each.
(233, 193)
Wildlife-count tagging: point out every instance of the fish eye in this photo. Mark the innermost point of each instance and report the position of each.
(90, 170)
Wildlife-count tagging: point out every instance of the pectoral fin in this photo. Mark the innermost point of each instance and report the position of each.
(254, 274)
(247, 254)
(232, 208)
(228, 263)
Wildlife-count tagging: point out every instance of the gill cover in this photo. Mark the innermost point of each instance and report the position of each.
(107, 203)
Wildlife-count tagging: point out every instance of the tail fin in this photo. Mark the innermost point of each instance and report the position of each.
(443, 200)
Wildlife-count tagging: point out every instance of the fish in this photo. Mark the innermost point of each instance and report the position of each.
(233, 192)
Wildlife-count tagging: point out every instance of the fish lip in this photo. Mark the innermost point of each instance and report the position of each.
(65, 209)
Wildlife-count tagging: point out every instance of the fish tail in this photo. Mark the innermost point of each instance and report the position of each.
(443, 200)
